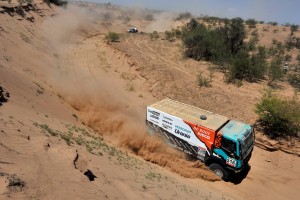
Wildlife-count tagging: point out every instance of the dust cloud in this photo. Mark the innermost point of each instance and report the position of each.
(117, 124)
(162, 21)
(100, 104)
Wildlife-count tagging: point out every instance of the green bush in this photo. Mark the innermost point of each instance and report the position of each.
(112, 37)
(277, 117)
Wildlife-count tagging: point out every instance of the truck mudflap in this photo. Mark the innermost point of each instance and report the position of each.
(177, 142)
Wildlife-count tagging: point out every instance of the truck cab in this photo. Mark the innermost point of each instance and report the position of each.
(232, 149)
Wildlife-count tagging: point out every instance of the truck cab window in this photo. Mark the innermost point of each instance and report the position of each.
(229, 146)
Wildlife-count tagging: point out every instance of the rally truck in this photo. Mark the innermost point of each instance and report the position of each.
(222, 144)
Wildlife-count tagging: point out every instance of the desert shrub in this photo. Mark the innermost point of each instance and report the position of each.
(170, 36)
(177, 33)
(294, 80)
(203, 81)
(154, 35)
(277, 117)
(277, 49)
(112, 36)
(251, 23)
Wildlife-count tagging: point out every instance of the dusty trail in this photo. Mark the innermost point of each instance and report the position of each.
(105, 106)
(273, 175)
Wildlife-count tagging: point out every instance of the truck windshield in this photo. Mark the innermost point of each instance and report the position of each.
(229, 146)
(246, 143)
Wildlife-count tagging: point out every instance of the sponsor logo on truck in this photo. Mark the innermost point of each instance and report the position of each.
(166, 126)
(182, 131)
(167, 118)
(177, 131)
(166, 122)
(154, 114)
(203, 134)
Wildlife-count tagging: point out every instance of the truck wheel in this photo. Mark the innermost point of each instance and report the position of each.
(219, 171)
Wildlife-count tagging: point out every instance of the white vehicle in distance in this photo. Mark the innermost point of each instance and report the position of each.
(133, 30)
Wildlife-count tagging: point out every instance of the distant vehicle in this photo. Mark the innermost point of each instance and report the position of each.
(133, 30)
(222, 144)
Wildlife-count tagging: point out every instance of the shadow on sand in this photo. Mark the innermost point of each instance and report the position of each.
(238, 178)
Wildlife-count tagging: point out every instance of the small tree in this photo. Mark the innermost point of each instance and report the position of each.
(235, 35)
